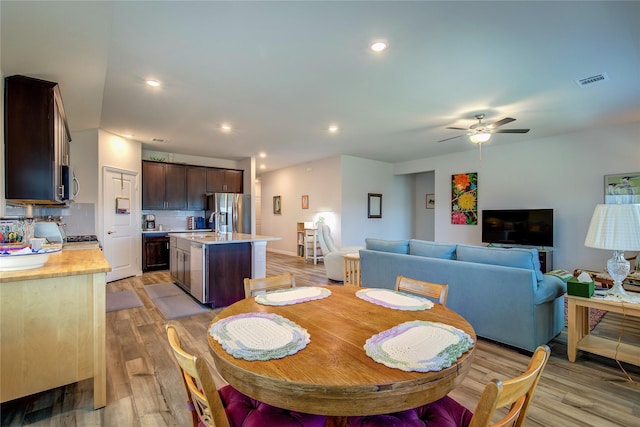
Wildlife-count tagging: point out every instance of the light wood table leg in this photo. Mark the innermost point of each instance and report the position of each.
(352, 269)
(577, 325)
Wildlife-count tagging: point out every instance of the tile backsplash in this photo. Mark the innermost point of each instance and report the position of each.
(173, 220)
(78, 218)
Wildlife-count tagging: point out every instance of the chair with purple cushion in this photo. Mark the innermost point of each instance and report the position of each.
(228, 407)
(446, 412)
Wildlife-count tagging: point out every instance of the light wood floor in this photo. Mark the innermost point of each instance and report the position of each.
(144, 388)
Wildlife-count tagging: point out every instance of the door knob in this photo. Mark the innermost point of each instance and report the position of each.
(110, 232)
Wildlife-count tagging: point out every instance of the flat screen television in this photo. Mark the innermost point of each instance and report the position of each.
(528, 227)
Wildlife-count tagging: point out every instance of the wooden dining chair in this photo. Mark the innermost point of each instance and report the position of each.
(227, 407)
(515, 393)
(437, 291)
(266, 284)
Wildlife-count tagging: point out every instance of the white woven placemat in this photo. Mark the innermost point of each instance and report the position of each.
(293, 295)
(394, 299)
(419, 346)
(259, 336)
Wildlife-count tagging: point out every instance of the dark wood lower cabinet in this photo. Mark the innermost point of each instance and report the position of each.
(229, 264)
(155, 253)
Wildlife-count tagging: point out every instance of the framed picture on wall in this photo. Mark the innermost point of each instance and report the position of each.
(622, 188)
(305, 202)
(431, 201)
(277, 205)
(374, 205)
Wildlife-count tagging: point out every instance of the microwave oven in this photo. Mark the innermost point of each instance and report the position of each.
(69, 186)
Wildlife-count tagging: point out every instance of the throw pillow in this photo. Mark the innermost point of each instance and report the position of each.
(432, 249)
(508, 257)
(394, 246)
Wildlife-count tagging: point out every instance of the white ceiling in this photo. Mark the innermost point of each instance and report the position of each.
(281, 72)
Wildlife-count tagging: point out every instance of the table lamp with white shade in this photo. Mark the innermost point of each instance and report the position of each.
(616, 227)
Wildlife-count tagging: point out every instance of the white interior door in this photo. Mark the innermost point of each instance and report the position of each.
(121, 226)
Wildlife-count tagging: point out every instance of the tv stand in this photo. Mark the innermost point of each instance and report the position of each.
(544, 255)
(546, 260)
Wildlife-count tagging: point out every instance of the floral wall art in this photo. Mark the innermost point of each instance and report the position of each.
(464, 198)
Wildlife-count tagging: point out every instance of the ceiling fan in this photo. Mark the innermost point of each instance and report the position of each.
(481, 132)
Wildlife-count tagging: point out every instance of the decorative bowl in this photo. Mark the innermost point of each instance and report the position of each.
(25, 261)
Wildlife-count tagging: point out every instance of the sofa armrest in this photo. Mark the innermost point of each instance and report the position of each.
(549, 288)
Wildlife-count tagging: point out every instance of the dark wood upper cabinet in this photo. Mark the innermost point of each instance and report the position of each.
(36, 141)
(196, 187)
(170, 186)
(153, 185)
(234, 180)
(176, 187)
(164, 186)
(224, 180)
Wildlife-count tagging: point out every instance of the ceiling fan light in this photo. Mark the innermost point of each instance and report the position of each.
(479, 138)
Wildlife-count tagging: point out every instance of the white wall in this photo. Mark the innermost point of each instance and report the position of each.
(191, 160)
(565, 173)
(361, 177)
(424, 219)
(337, 188)
(320, 180)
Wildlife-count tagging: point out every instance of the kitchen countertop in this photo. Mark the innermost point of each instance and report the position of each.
(63, 263)
(176, 230)
(209, 238)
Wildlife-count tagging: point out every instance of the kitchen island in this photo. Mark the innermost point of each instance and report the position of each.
(212, 266)
(52, 325)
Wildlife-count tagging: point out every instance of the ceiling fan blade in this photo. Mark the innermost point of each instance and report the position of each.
(502, 122)
(453, 137)
(510, 131)
(457, 128)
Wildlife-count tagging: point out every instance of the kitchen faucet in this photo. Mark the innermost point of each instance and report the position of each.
(214, 219)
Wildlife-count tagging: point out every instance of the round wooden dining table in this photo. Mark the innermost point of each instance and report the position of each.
(333, 375)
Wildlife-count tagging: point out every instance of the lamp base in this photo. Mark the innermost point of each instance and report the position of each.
(618, 268)
(618, 292)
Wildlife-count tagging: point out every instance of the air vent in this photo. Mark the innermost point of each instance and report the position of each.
(159, 140)
(593, 79)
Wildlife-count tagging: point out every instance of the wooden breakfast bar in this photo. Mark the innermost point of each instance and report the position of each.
(52, 325)
(333, 375)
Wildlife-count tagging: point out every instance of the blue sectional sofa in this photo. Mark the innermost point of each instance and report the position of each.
(500, 291)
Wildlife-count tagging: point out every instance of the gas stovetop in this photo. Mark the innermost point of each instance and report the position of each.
(83, 238)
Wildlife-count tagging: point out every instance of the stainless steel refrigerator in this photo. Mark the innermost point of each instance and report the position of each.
(227, 212)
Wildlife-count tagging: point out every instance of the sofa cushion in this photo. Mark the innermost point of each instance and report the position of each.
(508, 257)
(432, 249)
(394, 246)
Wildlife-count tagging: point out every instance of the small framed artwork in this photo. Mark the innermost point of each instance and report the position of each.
(431, 201)
(374, 205)
(277, 205)
(622, 188)
(305, 202)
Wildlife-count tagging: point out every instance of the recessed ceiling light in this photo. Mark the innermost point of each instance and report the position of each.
(263, 167)
(333, 128)
(379, 45)
(225, 127)
(263, 154)
(153, 83)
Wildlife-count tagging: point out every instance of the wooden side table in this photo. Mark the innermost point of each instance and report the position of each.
(352, 275)
(579, 337)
